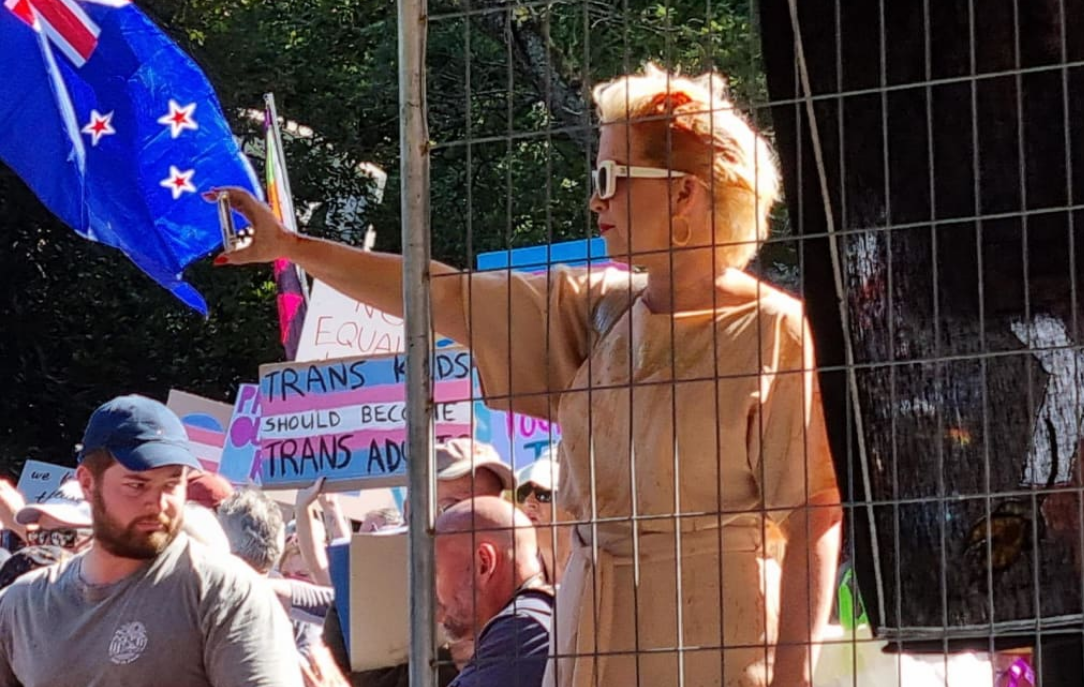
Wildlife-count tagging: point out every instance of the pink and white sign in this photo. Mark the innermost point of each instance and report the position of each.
(205, 421)
(346, 419)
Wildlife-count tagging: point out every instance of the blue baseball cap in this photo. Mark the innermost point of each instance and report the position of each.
(141, 433)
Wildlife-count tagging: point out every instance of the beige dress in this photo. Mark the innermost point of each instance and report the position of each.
(713, 416)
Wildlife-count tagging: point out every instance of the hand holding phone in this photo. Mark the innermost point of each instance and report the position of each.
(225, 220)
(240, 246)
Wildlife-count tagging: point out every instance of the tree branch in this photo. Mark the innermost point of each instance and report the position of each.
(543, 66)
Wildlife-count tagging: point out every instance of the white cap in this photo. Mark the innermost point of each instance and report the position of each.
(66, 506)
(543, 472)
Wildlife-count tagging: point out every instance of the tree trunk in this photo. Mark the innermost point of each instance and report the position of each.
(948, 177)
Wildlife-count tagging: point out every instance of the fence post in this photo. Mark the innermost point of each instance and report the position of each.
(414, 160)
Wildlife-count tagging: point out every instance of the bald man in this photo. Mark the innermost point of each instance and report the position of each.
(490, 586)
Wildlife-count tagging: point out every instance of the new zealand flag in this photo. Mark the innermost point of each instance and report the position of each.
(116, 130)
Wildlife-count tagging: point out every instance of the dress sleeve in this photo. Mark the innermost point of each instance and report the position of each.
(530, 333)
(788, 443)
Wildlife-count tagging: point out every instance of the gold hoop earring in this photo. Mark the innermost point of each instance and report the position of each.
(674, 235)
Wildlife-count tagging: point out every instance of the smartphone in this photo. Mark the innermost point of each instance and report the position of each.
(225, 221)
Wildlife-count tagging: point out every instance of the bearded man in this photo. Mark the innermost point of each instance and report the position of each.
(145, 604)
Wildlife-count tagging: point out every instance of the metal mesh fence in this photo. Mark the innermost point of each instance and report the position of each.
(927, 224)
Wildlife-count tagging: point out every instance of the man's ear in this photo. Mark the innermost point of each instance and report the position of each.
(485, 560)
(85, 479)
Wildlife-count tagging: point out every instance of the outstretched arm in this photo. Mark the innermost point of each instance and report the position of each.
(375, 279)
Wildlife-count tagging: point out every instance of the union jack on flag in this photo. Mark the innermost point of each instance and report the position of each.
(116, 130)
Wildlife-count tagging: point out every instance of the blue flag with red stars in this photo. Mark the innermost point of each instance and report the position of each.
(117, 131)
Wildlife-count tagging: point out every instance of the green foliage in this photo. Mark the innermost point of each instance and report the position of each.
(507, 91)
(82, 324)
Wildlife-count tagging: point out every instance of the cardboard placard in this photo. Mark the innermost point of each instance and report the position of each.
(241, 452)
(371, 581)
(40, 481)
(521, 439)
(206, 422)
(337, 326)
(345, 419)
(379, 622)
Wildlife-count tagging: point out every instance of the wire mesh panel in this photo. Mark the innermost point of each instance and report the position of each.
(940, 139)
(926, 157)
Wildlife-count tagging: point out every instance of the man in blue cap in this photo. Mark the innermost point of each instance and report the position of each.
(144, 605)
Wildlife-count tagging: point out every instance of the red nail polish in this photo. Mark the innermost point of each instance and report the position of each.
(221, 260)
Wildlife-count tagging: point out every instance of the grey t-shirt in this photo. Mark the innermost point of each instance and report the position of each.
(189, 619)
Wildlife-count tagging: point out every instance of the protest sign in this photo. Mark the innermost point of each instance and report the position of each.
(378, 615)
(520, 439)
(580, 253)
(337, 326)
(240, 455)
(346, 419)
(205, 421)
(41, 481)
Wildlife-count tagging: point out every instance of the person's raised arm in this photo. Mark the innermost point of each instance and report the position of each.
(531, 332)
(375, 279)
(335, 521)
(310, 534)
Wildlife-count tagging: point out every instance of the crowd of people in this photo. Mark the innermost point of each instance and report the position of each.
(694, 474)
(153, 567)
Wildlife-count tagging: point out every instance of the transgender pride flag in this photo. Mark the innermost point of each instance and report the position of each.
(292, 294)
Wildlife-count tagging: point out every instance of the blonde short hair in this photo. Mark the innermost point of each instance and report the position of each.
(691, 125)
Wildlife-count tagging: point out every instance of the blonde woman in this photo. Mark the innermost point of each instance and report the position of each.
(694, 395)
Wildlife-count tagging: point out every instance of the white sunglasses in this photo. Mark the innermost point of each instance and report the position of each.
(604, 177)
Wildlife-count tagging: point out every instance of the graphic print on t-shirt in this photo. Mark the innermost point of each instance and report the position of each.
(128, 643)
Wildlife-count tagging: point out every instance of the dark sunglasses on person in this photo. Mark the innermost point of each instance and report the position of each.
(65, 538)
(543, 495)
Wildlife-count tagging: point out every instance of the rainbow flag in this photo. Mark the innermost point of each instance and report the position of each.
(289, 279)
